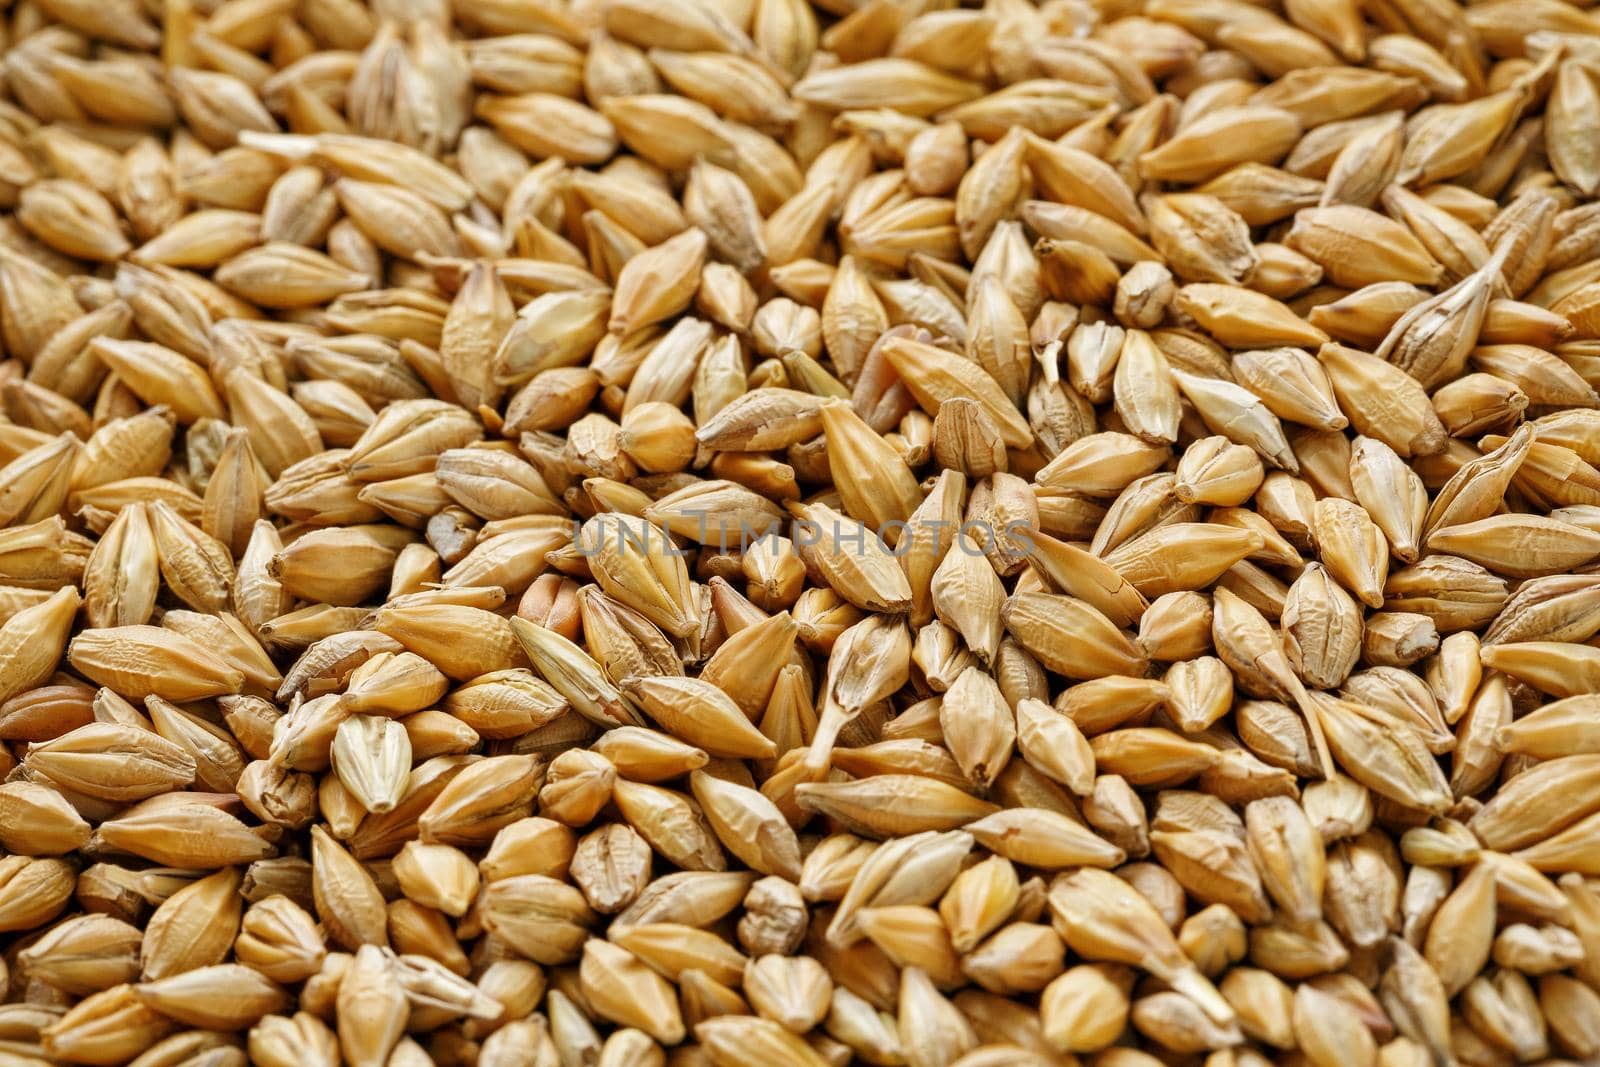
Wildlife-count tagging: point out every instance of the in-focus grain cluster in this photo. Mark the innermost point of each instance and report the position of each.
(707, 533)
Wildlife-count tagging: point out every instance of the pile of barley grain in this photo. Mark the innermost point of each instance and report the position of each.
(625, 533)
